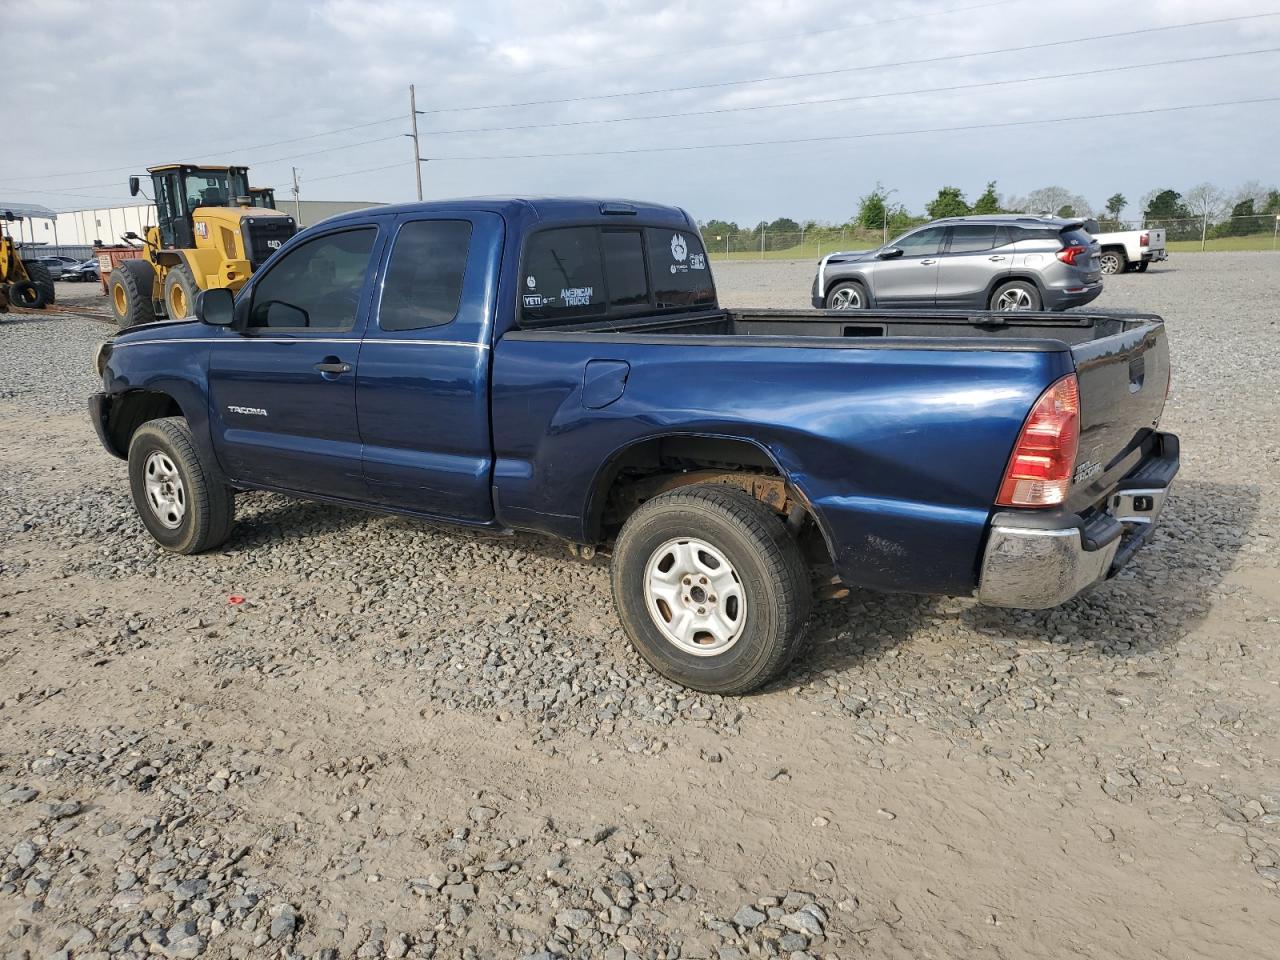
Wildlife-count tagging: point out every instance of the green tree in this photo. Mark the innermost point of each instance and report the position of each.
(784, 225)
(949, 202)
(989, 202)
(1066, 211)
(1116, 204)
(1273, 202)
(872, 209)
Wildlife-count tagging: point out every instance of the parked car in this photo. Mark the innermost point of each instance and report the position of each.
(55, 265)
(975, 263)
(564, 367)
(83, 271)
(1123, 251)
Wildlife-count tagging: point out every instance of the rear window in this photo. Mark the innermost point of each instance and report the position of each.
(678, 269)
(1076, 237)
(581, 273)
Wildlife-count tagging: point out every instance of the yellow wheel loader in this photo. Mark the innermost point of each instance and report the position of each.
(22, 284)
(208, 234)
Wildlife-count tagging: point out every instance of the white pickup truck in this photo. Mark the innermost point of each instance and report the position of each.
(1126, 250)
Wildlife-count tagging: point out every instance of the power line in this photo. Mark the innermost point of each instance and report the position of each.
(865, 136)
(865, 96)
(210, 152)
(869, 66)
(703, 49)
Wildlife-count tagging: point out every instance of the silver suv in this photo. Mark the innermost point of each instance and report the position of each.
(1005, 262)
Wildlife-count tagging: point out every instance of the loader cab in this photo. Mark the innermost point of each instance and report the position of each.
(264, 197)
(181, 188)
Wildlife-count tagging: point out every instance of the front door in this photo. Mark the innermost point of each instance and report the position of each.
(909, 280)
(423, 384)
(283, 392)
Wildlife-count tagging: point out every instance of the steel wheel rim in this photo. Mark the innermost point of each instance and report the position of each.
(695, 597)
(1017, 299)
(846, 298)
(177, 301)
(166, 494)
(1110, 263)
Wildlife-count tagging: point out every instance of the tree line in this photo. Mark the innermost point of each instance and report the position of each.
(1204, 210)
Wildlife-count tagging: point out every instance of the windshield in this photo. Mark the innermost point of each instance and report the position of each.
(213, 188)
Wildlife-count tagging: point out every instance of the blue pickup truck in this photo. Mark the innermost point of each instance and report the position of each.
(563, 366)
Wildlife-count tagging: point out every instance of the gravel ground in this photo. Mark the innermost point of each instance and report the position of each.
(414, 742)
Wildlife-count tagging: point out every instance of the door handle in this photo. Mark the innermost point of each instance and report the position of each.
(927, 263)
(331, 367)
(995, 258)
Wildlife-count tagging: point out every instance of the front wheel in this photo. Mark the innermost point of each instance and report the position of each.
(1015, 295)
(1112, 262)
(711, 588)
(184, 506)
(847, 295)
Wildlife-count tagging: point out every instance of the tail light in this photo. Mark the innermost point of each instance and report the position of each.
(1068, 254)
(1144, 240)
(1039, 471)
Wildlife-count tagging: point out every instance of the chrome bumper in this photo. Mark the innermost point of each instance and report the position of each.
(1033, 561)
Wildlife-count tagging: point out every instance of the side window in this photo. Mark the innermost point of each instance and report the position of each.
(563, 278)
(921, 243)
(678, 269)
(1005, 236)
(316, 286)
(972, 238)
(424, 279)
(624, 268)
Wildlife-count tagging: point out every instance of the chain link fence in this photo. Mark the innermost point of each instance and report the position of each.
(1261, 232)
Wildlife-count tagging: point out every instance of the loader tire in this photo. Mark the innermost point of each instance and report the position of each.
(39, 274)
(24, 293)
(180, 292)
(130, 290)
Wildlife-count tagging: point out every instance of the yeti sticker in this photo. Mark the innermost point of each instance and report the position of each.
(678, 248)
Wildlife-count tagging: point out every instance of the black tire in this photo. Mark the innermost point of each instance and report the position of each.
(24, 293)
(1020, 290)
(208, 504)
(764, 560)
(180, 292)
(1142, 267)
(1113, 261)
(129, 290)
(43, 279)
(847, 295)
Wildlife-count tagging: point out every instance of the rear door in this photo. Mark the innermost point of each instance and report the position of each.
(282, 394)
(423, 383)
(970, 263)
(910, 280)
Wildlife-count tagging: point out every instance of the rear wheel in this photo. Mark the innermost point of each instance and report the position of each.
(1015, 295)
(43, 280)
(130, 288)
(711, 588)
(847, 295)
(180, 292)
(1113, 262)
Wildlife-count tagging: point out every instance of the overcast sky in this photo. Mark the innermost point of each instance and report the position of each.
(94, 86)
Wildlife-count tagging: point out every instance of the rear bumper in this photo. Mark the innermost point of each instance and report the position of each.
(1036, 560)
(1060, 298)
(1149, 256)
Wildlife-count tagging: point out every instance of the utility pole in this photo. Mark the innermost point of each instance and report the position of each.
(417, 154)
(297, 204)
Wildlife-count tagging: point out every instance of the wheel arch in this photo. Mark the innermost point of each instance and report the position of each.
(675, 459)
(857, 277)
(1025, 276)
(130, 410)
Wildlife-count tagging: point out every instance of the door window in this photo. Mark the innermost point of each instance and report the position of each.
(922, 243)
(424, 279)
(972, 238)
(315, 286)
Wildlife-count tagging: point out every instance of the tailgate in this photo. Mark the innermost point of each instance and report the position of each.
(1155, 238)
(1123, 381)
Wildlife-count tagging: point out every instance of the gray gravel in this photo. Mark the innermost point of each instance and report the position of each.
(415, 742)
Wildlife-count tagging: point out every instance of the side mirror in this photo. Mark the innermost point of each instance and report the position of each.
(216, 307)
(888, 253)
(134, 186)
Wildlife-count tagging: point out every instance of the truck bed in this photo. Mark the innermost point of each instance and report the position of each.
(955, 329)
